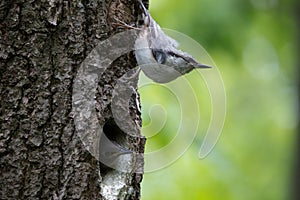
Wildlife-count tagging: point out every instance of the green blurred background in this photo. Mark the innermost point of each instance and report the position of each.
(253, 43)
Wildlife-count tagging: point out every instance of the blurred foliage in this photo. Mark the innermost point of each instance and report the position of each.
(253, 44)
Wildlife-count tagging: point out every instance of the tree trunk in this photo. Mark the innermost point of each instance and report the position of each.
(42, 47)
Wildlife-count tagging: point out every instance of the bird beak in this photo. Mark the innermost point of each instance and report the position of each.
(202, 66)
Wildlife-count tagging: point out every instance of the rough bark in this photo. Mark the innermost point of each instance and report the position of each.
(42, 45)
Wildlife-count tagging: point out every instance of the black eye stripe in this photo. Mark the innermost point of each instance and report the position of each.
(187, 59)
(159, 56)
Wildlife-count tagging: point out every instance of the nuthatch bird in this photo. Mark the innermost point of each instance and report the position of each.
(157, 55)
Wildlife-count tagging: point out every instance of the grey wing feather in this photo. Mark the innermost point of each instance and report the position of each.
(158, 39)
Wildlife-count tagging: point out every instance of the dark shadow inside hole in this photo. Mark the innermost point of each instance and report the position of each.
(114, 133)
(112, 146)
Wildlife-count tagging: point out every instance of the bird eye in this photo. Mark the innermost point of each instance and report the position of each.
(159, 56)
